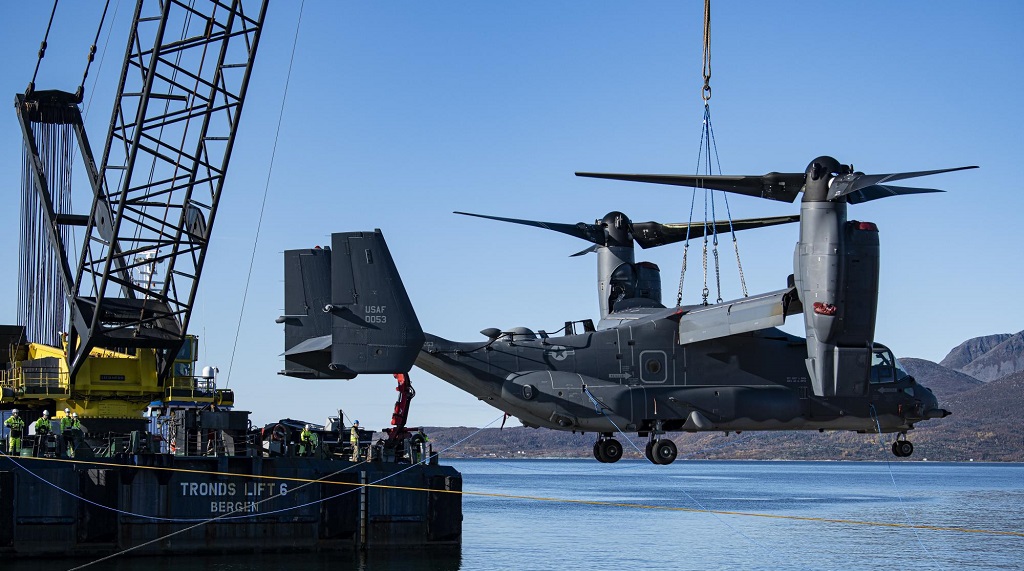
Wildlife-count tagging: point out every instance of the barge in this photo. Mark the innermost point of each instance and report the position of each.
(248, 494)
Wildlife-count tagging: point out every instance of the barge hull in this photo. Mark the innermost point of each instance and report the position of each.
(161, 504)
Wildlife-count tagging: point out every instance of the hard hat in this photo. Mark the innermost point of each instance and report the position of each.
(67, 410)
(15, 411)
(74, 415)
(307, 427)
(46, 413)
(355, 423)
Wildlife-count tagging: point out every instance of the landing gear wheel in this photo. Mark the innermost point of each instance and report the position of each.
(599, 452)
(611, 450)
(664, 451)
(903, 448)
(649, 452)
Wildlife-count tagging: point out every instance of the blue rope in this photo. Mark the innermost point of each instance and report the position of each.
(601, 408)
(892, 478)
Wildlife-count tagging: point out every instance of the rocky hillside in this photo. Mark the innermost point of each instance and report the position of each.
(988, 358)
(1004, 359)
(971, 349)
(987, 422)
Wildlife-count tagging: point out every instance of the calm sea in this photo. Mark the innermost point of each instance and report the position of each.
(656, 517)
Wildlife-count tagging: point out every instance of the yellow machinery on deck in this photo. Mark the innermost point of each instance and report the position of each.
(110, 384)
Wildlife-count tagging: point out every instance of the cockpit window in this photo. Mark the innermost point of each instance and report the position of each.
(901, 373)
(885, 368)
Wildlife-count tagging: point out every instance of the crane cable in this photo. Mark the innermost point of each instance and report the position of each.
(92, 52)
(42, 49)
(103, 57)
(708, 146)
(266, 191)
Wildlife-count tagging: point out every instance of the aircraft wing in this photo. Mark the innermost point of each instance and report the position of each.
(739, 316)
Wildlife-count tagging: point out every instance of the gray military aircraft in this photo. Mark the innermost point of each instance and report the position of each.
(645, 368)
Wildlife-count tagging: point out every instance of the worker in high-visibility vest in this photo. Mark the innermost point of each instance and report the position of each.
(43, 424)
(67, 424)
(419, 446)
(43, 428)
(354, 440)
(16, 425)
(308, 441)
(66, 421)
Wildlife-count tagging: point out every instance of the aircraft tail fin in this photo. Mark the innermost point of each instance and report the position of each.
(347, 311)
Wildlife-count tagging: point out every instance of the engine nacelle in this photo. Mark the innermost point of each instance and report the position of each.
(836, 275)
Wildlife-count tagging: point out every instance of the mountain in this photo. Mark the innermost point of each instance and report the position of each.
(943, 381)
(969, 350)
(1004, 359)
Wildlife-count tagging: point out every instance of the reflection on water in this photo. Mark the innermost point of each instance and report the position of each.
(400, 560)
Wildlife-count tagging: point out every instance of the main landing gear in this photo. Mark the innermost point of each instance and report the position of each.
(607, 449)
(661, 451)
(902, 448)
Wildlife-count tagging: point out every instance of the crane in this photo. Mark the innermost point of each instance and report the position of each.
(128, 288)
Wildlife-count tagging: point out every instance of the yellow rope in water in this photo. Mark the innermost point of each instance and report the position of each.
(559, 500)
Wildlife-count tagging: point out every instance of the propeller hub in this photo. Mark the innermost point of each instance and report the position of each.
(618, 229)
(819, 174)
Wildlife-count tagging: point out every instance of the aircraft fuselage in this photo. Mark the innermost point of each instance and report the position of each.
(636, 377)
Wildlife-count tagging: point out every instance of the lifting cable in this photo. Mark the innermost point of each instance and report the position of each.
(266, 190)
(92, 52)
(42, 48)
(708, 146)
(103, 57)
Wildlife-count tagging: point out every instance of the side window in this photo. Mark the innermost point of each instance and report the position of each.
(653, 366)
(882, 366)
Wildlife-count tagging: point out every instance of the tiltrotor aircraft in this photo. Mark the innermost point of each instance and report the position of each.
(645, 368)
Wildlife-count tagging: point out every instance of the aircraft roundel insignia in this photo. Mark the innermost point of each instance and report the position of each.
(559, 353)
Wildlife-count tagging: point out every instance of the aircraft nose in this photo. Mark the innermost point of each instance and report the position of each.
(930, 405)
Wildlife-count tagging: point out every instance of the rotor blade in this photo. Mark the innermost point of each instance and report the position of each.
(651, 234)
(584, 252)
(851, 183)
(783, 187)
(589, 232)
(874, 192)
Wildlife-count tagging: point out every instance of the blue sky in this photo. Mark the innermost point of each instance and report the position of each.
(399, 113)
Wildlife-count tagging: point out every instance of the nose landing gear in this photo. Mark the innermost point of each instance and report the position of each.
(902, 448)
